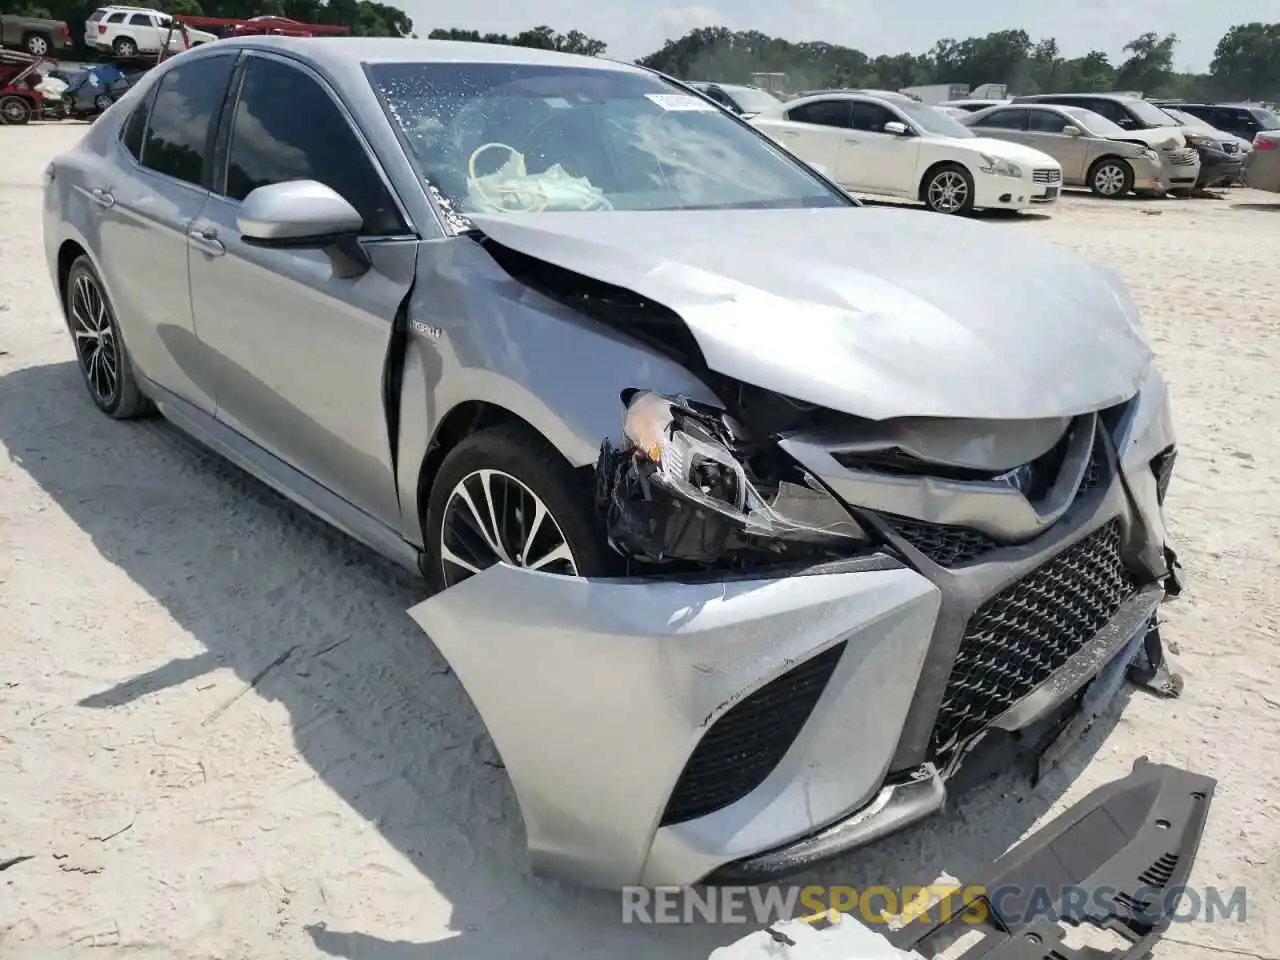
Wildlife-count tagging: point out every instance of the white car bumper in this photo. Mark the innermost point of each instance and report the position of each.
(1036, 187)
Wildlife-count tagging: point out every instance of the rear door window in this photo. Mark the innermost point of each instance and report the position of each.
(826, 113)
(183, 119)
(141, 20)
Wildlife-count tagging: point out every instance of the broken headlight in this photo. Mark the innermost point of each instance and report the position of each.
(690, 484)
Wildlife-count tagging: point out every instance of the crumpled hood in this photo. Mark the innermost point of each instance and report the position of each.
(874, 312)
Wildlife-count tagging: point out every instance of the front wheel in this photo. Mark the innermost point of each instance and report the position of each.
(104, 361)
(1111, 178)
(948, 189)
(505, 495)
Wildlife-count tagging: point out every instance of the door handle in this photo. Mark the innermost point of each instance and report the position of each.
(789, 134)
(102, 198)
(851, 140)
(206, 240)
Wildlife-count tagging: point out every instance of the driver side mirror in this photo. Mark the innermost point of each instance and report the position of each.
(305, 214)
(895, 128)
(1071, 130)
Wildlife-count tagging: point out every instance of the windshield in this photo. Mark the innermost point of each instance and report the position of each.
(1267, 119)
(495, 137)
(1148, 115)
(1187, 120)
(933, 121)
(1096, 124)
(750, 99)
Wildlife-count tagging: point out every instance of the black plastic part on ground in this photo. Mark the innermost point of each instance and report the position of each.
(1129, 846)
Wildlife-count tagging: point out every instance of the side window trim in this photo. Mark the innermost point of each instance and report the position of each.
(347, 115)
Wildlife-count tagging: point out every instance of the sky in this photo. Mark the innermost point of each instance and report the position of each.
(633, 28)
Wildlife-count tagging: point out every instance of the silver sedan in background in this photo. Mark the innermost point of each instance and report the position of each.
(1093, 151)
(741, 528)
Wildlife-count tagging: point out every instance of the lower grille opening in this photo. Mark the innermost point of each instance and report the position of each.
(1019, 637)
(745, 745)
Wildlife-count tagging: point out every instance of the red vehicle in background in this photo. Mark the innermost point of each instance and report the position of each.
(20, 100)
(262, 26)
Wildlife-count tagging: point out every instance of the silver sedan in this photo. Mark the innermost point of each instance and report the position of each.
(747, 514)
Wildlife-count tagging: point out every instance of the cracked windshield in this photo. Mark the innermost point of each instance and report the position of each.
(521, 138)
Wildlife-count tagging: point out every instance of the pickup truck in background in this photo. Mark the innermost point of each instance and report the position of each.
(36, 36)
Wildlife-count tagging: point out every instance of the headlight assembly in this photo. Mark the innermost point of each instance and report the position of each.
(690, 485)
(1000, 168)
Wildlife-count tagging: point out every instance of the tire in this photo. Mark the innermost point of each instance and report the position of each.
(100, 351)
(36, 44)
(102, 101)
(15, 110)
(1110, 177)
(948, 189)
(514, 453)
(124, 48)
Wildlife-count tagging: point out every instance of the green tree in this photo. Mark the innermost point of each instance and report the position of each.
(1246, 62)
(541, 38)
(1150, 64)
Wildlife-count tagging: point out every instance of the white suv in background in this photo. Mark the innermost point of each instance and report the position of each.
(129, 31)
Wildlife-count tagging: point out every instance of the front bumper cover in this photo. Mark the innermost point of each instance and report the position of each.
(607, 698)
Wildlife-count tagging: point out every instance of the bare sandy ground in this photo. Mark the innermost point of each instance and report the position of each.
(348, 804)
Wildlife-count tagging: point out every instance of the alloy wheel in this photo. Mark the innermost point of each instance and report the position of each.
(948, 192)
(95, 339)
(102, 101)
(37, 46)
(492, 517)
(126, 48)
(14, 110)
(1109, 180)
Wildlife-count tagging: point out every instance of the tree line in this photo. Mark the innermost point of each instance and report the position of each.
(1246, 62)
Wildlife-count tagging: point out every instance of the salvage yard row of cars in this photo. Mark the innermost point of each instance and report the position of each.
(745, 535)
(1011, 154)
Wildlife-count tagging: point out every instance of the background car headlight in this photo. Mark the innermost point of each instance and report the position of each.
(1001, 168)
(1196, 140)
(1151, 155)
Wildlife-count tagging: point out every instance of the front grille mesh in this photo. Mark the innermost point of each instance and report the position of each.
(1046, 176)
(1019, 637)
(742, 748)
(946, 546)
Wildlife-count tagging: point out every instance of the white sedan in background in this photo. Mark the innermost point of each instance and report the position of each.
(901, 148)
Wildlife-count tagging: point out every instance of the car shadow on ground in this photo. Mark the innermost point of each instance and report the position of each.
(1265, 207)
(381, 719)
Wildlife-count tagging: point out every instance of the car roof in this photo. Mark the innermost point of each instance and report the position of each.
(120, 8)
(342, 53)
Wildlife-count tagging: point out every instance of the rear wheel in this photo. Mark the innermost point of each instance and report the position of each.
(102, 101)
(1111, 177)
(124, 48)
(505, 495)
(104, 361)
(15, 110)
(948, 189)
(36, 44)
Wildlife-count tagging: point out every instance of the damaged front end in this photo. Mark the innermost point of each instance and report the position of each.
(692, 486)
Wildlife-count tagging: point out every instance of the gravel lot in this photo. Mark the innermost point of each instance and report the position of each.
(221, 736)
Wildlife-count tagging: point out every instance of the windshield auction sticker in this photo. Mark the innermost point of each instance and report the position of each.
(679, 101)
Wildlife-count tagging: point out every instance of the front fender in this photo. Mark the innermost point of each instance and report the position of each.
(476, 334)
